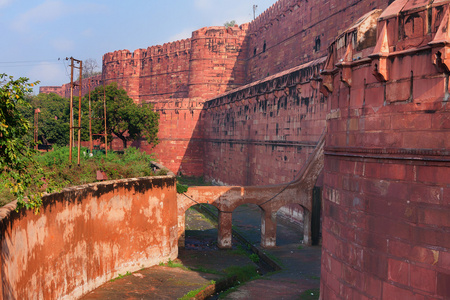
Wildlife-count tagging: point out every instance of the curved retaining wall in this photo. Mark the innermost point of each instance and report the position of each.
(85, 236)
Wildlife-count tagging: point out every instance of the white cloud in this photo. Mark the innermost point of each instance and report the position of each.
(63, 45)
(45, 12)
(88, 32)
(184, 34)
(204, 4)
(48, 74)
(4, 3)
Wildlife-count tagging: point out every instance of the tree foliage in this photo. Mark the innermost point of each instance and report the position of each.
(124, 118)
(53, 119)
(229, 23)
(19, 170)
(90, 68)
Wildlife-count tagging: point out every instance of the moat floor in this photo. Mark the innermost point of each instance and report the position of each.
(300, 265)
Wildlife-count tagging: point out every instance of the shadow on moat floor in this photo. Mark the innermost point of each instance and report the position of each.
(300, 265)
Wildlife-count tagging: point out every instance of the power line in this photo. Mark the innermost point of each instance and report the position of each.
(30, 61)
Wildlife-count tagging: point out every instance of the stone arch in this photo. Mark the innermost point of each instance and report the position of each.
(206, 236)
(248, 215)
(291, 216)
(184, 203)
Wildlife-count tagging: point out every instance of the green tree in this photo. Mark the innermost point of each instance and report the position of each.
(229, 23)
(90, 68)
(53, 121)
(125, 119)
(23, 175)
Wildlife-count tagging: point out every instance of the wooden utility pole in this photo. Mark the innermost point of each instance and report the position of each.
(104, 116)
(80, 87)
(72, 85)
(71, 111)
(36, 131)
(90, 119)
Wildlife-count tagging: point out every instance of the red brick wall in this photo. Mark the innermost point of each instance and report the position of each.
(51, 89)
(290, 29)
(158, 72)
(262, 133)
(217, 62)
(386, 228)
(180, 147)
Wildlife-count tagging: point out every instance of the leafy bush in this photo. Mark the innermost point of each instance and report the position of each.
(59, 173)
(181, 188)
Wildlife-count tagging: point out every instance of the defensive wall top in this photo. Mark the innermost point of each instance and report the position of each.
(219, 31)
(273, 12)
(172, 48)
(152, 51)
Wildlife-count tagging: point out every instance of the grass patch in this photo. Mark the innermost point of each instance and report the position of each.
(193, 181)
(181, 188)
(205, 270)
(194, 293)
(274, 258)
(239, 251)
(173, 264)
(120, 276)
(312, 294)
(254, 257)
(242, 273)
(59, 173)
(178, 264)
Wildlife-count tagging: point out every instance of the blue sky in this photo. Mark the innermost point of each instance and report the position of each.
(35, 33)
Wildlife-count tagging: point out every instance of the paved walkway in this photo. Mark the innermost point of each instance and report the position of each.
(300, 265)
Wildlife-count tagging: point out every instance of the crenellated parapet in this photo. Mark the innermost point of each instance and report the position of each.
(218, 60)
(147, 73)
(291, 33)
(274, 13)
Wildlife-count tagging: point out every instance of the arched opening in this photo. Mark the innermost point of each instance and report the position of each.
(201, 227)
(290, 224)
(246, 221)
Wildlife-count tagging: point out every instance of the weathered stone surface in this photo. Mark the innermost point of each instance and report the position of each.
(85, 236)
(387, 165)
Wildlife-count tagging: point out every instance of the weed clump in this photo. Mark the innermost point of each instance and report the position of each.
(60, 173)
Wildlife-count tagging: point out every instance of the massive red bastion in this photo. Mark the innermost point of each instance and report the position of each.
(247, 105)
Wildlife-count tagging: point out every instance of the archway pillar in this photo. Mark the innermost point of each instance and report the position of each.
(307, 227)
(268, 229)
(181, 230)
(225, 230)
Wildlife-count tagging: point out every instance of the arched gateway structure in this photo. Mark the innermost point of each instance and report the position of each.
(269, 198)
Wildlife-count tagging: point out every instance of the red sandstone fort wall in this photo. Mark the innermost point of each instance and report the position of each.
(293, 32)
(387, 173)
(217, 60)
(51, 89)
(181, 146)
(158, 72)
(263, 133)
(85, 236)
